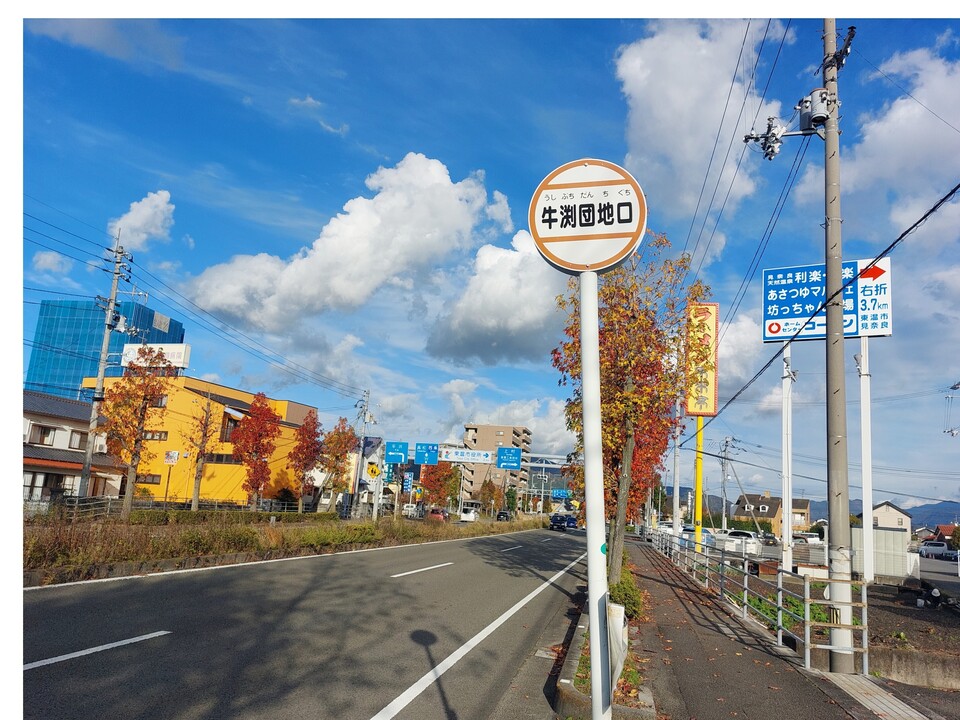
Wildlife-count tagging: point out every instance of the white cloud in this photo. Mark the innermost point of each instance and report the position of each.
(49, 261)
(676, 82)
(499, 210)
(130, 40)
(739, 352)
(148, 219)
(416, 220)
(507, 310)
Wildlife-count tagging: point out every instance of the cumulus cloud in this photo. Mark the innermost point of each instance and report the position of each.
(676, 81)
(907, 148)
(508, 309)
(49, 261)
(739, 352)
(416, 219)
(148, 219)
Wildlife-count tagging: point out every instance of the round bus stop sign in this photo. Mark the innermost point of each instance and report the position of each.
(587, 216)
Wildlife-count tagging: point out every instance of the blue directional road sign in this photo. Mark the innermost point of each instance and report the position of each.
(559, 493)
(508, 458)
(791, 295)
(427, 453)
(396, 452)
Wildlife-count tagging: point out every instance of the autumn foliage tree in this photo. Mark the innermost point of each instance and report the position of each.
(254, 442)
(131, 405)
(440, 482)
(335, 460)
(200, 436)
(642, 308)
(306, 455)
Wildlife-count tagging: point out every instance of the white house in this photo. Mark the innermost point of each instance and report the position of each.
(55, 433)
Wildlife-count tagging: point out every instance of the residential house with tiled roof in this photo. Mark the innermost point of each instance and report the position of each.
(55, 434)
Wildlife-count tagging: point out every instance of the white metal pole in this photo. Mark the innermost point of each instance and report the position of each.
(593, 494)
(786, 421)
(677, 520)
(866, 459)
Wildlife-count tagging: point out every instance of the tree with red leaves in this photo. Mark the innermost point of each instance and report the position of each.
(440, 482)
(306, 455)
(254, 442)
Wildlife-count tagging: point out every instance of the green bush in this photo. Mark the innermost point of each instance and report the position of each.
(627, 593)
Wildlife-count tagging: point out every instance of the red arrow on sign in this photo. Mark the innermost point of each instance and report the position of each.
(872, 272)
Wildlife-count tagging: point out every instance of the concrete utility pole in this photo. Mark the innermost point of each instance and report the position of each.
(838, 488)
(819, 114)
(120, 270)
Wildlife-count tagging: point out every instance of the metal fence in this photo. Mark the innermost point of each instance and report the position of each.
(91, 508)
(790, 605)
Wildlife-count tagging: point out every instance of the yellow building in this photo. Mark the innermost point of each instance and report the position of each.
(169, 474)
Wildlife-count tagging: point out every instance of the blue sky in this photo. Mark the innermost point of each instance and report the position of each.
(348, 198)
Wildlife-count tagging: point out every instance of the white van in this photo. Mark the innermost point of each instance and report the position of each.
(933, 548)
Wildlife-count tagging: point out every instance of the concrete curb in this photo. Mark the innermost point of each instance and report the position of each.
(571, 704)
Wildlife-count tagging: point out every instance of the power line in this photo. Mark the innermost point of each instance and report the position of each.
(910, 230)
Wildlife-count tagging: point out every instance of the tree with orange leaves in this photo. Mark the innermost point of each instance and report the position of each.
(254, 442)
(335, 460)
(132, 403)
(643, 328)
(440, 482)
(306, 454)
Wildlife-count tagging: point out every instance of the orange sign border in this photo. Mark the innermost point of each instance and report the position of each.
(713, 324)
(606, 264)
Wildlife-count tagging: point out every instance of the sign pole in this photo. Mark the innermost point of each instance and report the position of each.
(593, 494)
(587, 217)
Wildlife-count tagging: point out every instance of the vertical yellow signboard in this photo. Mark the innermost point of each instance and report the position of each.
(704, 327)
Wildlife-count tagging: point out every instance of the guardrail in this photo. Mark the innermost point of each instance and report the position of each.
(788, 604)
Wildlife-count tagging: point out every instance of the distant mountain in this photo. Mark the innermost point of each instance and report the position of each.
(933, 514)
(929, 515)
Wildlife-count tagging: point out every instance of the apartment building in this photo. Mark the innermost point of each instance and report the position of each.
(493, 437)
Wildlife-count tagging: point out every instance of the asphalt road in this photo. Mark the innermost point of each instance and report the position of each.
(942, 574)
(425, 631)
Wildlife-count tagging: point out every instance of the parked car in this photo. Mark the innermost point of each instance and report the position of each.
(811, 538)
(410, 510)
(739, 541)
(572, 522)
(688, 537)
(437, 515)
(503, 516)
(951, 555)
(558, 522)
(769, 539)
(468, 515)
(933, 549)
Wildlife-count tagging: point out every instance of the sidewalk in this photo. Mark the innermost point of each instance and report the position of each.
(707, 664)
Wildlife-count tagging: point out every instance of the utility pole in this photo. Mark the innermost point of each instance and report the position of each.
(724, 459)
(362, 418)
(819, 114)
(111, 318)
(838, 488)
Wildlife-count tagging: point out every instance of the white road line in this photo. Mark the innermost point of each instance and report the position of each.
(433, 675)
(90, 651)
(432, 567)
(511, 548)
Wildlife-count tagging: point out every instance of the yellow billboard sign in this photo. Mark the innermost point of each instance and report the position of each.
(704, 327)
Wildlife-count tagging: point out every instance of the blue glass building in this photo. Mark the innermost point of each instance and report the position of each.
(67, 341)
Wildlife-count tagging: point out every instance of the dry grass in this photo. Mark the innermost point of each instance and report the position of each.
(56, 544)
